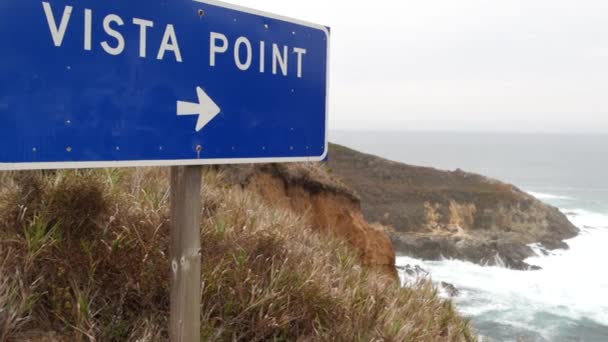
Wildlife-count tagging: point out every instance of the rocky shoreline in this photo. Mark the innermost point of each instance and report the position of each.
(413, 274)
(480, 251)
(434, 214)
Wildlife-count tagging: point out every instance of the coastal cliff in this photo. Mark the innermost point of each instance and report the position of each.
(328, 206)
(451, 214)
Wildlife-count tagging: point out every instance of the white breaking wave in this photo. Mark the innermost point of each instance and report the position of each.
(571, 286)
(544, 196)
(586, 219)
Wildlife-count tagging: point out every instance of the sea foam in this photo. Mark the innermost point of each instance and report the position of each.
(569, 291)
(544, 196)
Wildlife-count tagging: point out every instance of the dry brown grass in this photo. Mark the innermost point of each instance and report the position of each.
(84, 256)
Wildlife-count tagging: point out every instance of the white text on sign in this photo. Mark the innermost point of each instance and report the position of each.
(280, 54)
(273, 58)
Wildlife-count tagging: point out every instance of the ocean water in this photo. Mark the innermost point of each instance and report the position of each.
(568, 299)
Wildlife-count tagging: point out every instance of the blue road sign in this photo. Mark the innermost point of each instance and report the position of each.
(105, 83)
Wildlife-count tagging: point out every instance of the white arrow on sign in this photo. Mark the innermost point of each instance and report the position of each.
(206, 109)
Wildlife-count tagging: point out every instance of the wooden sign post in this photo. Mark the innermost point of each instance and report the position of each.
(185, 318)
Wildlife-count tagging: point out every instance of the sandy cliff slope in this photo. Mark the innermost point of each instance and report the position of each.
(328, 205)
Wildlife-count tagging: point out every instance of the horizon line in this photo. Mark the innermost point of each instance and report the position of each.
(443, 131)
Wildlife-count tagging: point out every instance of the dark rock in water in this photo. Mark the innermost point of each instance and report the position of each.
(544, 251)
(451, 290)
(420, 271)
(480, 251)
(455, 214)
(553, 244)
(414, 272)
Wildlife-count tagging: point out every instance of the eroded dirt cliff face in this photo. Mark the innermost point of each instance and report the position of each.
(451, 214)
(328, 205)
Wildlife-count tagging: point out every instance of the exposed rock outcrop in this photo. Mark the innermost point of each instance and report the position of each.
(411, 275)
(456, 214)
(327, 204)
(450, 289)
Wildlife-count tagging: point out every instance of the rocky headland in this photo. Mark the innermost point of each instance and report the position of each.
(434, 214)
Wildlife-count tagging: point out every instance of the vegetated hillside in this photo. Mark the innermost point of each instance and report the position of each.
(84, 256)
(451, 214)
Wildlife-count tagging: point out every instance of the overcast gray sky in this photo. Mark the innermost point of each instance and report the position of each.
(467, 65)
